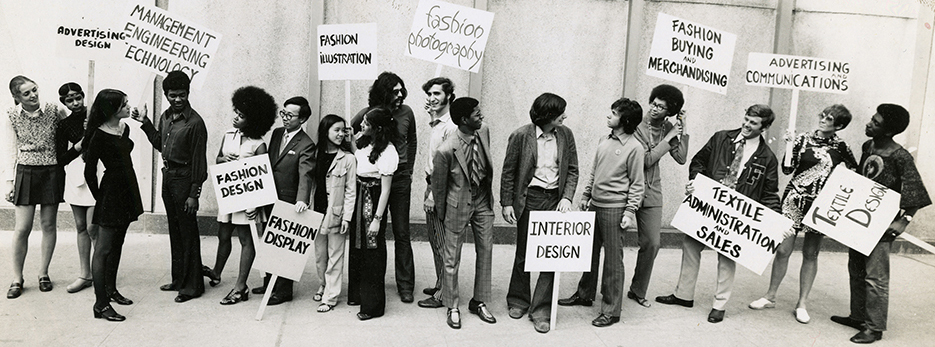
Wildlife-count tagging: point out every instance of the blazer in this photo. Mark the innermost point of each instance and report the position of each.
(519, 166)
(292, 169)
(451, 182)
(759, 179)
(341, 188)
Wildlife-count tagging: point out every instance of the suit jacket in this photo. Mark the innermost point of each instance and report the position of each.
(341, 187)
(759, 179)
(292, 169)
(451, 182)
(519, 166)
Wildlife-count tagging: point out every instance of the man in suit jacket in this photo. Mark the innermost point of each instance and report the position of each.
(292, 155)
(540, 173)
(461, 180)
(741, 160)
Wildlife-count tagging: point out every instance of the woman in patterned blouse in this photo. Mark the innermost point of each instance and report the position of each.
(814, 155)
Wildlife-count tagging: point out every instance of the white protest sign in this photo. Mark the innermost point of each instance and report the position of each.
(559, 242)
(84, 31)
(691, 53)
(286, 243)
(161, 41)
(449, 34)
(792, 72)
(347, 52)
(731, 223)
(243, 184)
(853, 209)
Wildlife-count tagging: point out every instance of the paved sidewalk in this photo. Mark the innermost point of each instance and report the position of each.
(60, 319)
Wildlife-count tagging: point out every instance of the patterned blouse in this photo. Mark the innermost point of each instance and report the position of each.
(813, 158)
(35, 134)
(896, 171)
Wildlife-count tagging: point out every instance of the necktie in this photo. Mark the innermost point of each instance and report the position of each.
(476, 163)
(734, 170)
(285, 141)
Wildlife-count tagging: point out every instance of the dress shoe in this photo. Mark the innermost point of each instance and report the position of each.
(517, 313)
(366, 316)
(45, 284)
(277, 299)
(169, 287)
(429, 291)
(430, 302)
(480, 309)
(867, 336)
(848, 321)
(109, 314)
(258, 290)
(541, 326)
(353, 303)
(406, 297)
(454, 318)
(16, 289)
(575, 300)
(235, 296)
(672, 300)
(120, 299)
(80, 284)
(642, 301)
(183, 298)
(716, 316)
(604, 321)
(801, 315)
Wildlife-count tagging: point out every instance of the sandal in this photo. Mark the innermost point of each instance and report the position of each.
(80, 284)
(317, 296)
(209, 273)
(642, 301)
(16, 289)
(325, 308)
(45, 284)
(236, 296)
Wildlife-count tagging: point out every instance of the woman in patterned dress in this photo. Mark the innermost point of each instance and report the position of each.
(814, 155)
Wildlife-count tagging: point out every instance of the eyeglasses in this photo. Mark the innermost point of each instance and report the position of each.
(658, 106)
(826, 117)
(286, 116)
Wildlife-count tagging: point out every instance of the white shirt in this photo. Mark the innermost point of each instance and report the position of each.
(386, 164)
(546, 174)
(443, 126)
(288, 137)
(749, 147)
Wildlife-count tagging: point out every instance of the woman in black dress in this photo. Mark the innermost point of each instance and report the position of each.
(118, 195)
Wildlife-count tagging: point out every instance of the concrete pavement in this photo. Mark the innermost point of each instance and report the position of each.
(57, 318)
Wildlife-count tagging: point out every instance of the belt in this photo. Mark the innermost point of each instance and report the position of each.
(542, 190)
(172, 165)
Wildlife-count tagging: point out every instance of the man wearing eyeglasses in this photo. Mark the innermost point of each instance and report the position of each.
(389, 91)
(292, 155)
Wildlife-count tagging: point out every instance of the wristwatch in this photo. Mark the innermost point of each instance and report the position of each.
(378, 217)
(907, 217)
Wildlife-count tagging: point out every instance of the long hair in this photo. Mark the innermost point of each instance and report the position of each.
(107, 103)
(381, 92)
(258, 109)
(69, 87)
(18, 81)
(383, 133)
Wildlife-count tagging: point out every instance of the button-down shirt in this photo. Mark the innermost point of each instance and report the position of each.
(441, 128)
(182, 139)
(748, 148)
(546, 175)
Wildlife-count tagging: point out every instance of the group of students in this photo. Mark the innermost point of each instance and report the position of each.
(361, 170)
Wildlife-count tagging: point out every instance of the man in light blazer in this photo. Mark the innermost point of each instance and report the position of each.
(540, 173)
(461, 180)
(292, 155)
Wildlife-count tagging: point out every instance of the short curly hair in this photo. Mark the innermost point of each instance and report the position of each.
(895, 118)
(671, 95)
(258, 109)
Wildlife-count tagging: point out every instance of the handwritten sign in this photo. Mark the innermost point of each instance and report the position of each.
(347, 52)
(160, 41)
(853, 210)
(84, 33)
(286, 243)
(243, 184)
(731, 223)
(559, 242)
(793, 72)
(691, 53)
(449, 34)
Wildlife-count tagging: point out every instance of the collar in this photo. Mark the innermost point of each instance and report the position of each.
(622, 139)
(185, 114)
(467, 138)
(445, 118)
(749, 142)
(539, 131)
(290, 134)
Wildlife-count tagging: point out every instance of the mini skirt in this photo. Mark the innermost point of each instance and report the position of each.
(38, 185)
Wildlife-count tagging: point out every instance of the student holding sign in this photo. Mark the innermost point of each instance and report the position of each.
(335, 176)
(461, 183)
(814, 155)
(540, 173)
(182, 138)
(614, 191)
(254, 114)
(117, 195)
(885, 162)
(377, 160)
(389, 91)
(292, 155)
(740, 160)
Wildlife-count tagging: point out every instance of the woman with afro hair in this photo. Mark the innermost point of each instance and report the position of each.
(254, 114)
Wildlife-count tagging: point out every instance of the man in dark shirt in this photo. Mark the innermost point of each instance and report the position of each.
(182, 138)
(389, 91)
